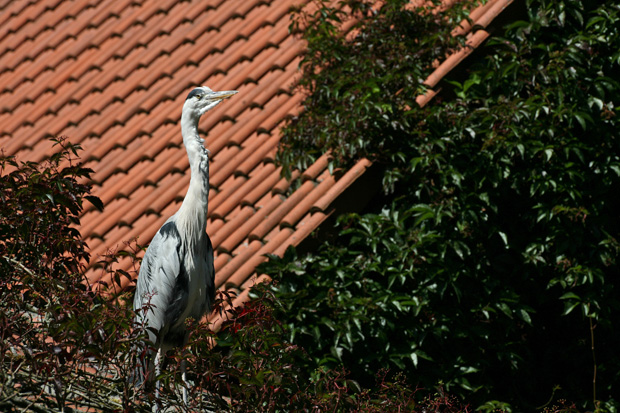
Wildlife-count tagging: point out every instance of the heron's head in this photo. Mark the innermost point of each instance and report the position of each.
(203, 99)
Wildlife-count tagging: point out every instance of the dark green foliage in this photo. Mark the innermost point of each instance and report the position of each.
(493, 262)
(361, 90)
(254, 367)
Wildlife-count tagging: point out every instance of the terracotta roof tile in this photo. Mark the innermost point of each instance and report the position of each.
(113, 76)
(310, 222)
(259, 174)
(481, 17)
(12, 9)
(248, 266)
(146, 172)
(228, 188)
(276, 217)
(284, 184)
(453, 60)
(257, 152)
(326, 182)
(214, 224)
(232, 215)
(227, 271)
(316, 168)
(487, 15)
(243, 231)
(344, 182)
(466, 25)
(221, 260)
(232, 225)
(224, 165)
(262, 188)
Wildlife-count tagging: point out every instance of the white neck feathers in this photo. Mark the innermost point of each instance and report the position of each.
(192, 215)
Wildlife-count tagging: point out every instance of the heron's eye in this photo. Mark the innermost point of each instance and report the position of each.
(198, 97)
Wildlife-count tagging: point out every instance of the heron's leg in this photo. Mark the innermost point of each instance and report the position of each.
(158, 360)
(184, 369)
(184, 379)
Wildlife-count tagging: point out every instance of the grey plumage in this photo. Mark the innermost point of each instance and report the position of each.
(177, 278)
(164, 285)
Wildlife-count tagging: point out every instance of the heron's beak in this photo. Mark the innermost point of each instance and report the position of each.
(212, 99)
(221, 95)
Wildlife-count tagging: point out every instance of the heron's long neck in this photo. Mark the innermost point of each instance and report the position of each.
(192, 216)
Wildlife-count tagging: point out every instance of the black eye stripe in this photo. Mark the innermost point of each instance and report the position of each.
(195, 93)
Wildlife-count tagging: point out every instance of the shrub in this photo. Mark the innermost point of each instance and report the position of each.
(490, 262)
(59, 340)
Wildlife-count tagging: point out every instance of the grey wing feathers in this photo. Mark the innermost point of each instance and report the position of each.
(157, 280)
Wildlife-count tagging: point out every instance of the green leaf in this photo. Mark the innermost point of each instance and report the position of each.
(525, 316)
(569, 307)
(569, 296)
(95, 201)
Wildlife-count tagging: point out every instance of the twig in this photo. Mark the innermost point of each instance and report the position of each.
(20, 265)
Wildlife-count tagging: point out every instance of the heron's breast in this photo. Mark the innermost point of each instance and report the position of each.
(197, 289)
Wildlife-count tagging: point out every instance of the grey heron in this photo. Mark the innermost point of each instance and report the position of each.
(176, 278)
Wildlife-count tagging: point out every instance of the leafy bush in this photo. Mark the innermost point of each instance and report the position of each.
(254, 367)
(59, 340)
(66, 345)
(490, 265)
(362, 84)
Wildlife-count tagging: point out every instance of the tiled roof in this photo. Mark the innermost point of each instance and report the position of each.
(113, 75)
